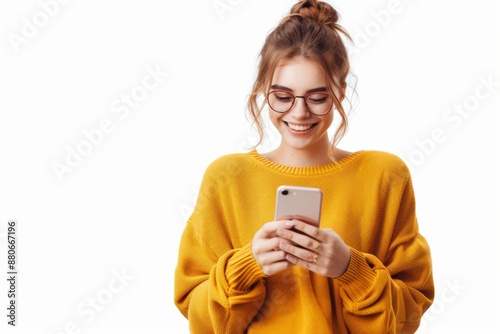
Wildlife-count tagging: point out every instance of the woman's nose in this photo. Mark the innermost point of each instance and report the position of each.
(299, 109)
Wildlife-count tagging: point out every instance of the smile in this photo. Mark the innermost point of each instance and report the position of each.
(297, 127)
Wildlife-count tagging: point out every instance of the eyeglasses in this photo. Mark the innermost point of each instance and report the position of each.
(317, 103)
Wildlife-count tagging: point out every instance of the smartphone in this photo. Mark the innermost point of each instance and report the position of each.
(303, 203)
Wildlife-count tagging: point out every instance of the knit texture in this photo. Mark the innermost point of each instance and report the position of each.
(368, 200)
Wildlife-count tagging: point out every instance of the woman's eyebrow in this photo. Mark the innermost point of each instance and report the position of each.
(314, 90)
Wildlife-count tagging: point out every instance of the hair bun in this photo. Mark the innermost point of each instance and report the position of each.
(316, 10)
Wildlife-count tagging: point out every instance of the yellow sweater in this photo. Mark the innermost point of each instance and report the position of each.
(368, 200)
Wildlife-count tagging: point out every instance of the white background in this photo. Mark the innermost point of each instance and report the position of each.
(123, 207)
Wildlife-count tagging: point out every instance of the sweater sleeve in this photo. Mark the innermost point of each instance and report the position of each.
(390, 295)
(218, 288)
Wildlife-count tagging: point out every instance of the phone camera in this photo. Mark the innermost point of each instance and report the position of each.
(284, 192)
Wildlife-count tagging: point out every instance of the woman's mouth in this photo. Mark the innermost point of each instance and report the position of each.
(299, 127)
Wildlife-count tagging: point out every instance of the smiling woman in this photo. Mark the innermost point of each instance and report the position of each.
(365, 269)
(303, 120)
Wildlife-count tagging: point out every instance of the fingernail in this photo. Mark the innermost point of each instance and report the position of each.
(290, 223)
(283, 246)
(280, 232)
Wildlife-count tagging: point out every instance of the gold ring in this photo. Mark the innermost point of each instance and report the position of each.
(316, 246)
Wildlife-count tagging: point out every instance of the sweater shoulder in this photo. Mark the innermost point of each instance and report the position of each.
(229, 165)
(385, 162)
(229, 161)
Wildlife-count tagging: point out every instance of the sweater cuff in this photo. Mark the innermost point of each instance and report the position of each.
(242, 271)
(359, 277)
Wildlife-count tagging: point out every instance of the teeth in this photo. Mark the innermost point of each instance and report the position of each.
(299, 127)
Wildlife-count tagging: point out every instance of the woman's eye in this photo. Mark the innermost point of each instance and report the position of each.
(283, 98)
(317, 99)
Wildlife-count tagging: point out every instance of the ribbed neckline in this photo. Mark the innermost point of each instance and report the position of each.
(309, 170)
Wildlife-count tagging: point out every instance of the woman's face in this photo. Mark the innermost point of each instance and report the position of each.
(299, 128)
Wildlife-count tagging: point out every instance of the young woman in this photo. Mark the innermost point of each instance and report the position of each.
(365, 269)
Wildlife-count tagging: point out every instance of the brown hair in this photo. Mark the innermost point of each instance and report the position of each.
(310, 31)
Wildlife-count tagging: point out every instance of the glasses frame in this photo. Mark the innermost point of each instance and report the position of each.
(295, 97)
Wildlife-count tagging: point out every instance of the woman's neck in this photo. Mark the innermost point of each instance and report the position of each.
(304, 158)
(288, 156)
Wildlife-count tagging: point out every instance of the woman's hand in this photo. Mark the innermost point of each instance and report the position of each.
(320, 250)
(266, 247)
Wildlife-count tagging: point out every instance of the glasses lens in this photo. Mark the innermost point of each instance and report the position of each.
(319, 103)
(280, 101)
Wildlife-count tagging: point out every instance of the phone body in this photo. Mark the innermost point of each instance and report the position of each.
(303, 203)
